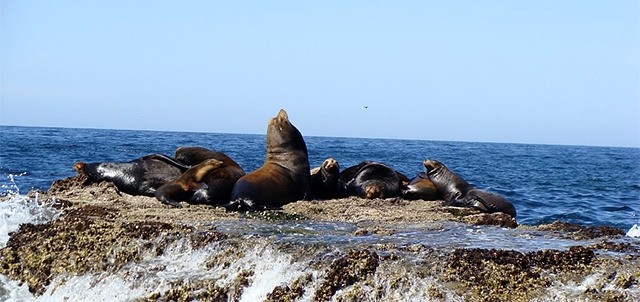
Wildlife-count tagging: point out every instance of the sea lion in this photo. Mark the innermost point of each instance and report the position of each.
(450, 185)
(183, 187)
(195, 155)
(420, 187)
(283, 178)
(219, 182)
(373, 180)
(325, 180)
(141, 176)
(457, 192)
(489, 202)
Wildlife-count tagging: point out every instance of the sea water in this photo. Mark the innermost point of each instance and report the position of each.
(597, 186)
(577, 184)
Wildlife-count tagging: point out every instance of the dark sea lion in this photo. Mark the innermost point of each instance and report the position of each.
(373, 180)
(350, 173)
(489, 202)
(420, 187)
(450, 185)
(195, 155)
(141, 176)
(219, 182)
(325, 180)
(283, 178)
(457, 192)
(183, 187)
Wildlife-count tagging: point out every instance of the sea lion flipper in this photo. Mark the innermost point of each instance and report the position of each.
(170, 202)
(480, 204)
(167, 160)
(161, 195)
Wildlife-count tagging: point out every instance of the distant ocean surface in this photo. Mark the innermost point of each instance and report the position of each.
(583, 185)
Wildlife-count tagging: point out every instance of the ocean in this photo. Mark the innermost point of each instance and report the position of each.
(589, 186)
(597, 186)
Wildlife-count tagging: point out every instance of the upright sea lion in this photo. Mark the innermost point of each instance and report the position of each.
(373, 180)
(137, 177)
(457, 192)
(219, 182)
(420, 187)
(183, 187)
(283, 178)
(325, 180)
(450, 185)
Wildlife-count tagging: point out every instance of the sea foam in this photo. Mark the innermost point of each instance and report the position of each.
(19, 209)
(15, 210)
(634, 231)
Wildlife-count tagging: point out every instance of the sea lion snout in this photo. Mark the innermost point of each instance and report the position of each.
(431, 165)
(331, 165)
(282, 115)
(373, 191)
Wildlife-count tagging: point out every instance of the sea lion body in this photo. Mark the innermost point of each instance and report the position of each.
(450, 185)
(489, 202)
(283, 178)
(183, 187)
(373, 180)
(219, 182)
(420, 187)
(325, 180)
(141, 176)
(457, 192)
(195, 155)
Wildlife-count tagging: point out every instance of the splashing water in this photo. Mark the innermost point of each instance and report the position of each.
(19, 209)
(10, 188)
(15, 210)
(634, 232)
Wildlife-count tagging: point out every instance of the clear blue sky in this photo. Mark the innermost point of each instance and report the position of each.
(553, 72)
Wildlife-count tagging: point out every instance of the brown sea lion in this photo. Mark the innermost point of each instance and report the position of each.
(219, 182)
(420, 187)
(141, 176)
(183, 187)
(450, 185)
(325, 180)
(283, 178)
(373, 180)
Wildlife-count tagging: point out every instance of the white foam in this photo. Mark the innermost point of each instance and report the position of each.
(634, 231)
(134, 281)
(19, 209)
(13, 291)
(179, 264)
(271, 269)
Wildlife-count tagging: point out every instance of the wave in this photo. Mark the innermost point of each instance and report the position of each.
(19, 209)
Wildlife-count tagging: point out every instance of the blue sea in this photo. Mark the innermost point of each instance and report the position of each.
(597, 186)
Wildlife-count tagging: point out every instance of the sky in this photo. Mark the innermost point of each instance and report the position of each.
(541, 72)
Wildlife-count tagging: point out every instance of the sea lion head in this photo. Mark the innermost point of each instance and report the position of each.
(373, 190)
(283, 136)
(331, 165)
(79, 167)
(433, 166)
(203, 168)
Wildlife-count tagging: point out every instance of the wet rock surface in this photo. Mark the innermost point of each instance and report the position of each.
(104, 231)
